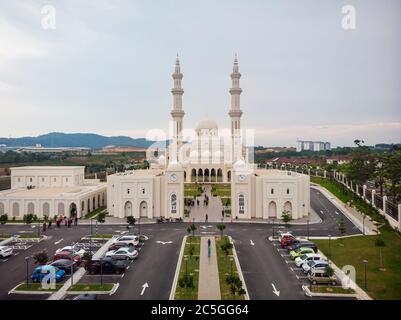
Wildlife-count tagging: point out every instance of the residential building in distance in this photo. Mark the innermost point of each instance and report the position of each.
(303, 145)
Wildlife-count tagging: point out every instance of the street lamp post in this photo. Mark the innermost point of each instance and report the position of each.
(329, 246)
(186, 265)
(231, 266)
(307, 226)
(139, 226)
(27, 271)
(365, 262)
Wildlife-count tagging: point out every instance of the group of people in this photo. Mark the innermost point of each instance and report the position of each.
(60, 220)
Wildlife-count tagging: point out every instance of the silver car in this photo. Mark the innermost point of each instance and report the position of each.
(314, 265)
(5, 251)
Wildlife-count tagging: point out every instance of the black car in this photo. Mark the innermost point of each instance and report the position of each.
(106, 265)
(64, 264)
(302, 244)
(86, 296)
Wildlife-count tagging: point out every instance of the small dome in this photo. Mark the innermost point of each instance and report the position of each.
(207, 124)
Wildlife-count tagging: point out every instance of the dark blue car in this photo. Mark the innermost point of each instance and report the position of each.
(42, 271)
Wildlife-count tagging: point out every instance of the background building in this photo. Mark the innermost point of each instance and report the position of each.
(303, 145)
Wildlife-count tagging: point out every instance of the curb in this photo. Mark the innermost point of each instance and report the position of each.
(311, 294)
(177, 269)
(110, 292)
(239, 268)
(14, 291)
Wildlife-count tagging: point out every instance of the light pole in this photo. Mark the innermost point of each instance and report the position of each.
(186, 265)
(27, 271)
(329, 247)
(307, 226)
(365, 262)
(231, 266)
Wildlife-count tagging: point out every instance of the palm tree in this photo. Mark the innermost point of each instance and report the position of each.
(221, 227)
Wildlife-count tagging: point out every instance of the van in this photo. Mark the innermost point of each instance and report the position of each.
(320, 277)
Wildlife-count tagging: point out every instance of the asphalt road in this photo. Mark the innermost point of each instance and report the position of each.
(262, 265)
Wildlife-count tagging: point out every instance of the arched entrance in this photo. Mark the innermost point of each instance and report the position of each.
(193, 175)
(128, 209)
(219, 175)
(213, 175)
(46, 209)
(288, 207)
(272, 210)
(61, 209)
(1, 208)
(15, 209)
(143, 209)
(73, 210)
(31, 208)
(207, 175)
(228, 176)
(200, 175)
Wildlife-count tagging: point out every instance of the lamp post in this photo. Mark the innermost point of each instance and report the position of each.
(231, 266)
(186, 265)
(27, 271)
(365, 262)
(307, 227)
(329, 247)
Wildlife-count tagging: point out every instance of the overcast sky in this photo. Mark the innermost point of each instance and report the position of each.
(107, 66)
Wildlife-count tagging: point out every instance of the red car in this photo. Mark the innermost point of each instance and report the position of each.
(117, 245)
(288, 241)
(67, 255)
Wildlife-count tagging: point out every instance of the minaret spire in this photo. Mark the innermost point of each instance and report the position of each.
(177, 113)
(235, 111)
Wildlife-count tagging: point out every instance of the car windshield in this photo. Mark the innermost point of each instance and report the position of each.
(304, 257)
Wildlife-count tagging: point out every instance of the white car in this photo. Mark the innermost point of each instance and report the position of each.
(299, 261)
(5, 251)
(123, 253)
(76, 249)
(282, 234)
(130, 240)
(314, 265)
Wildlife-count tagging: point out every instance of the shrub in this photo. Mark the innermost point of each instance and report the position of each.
(28, 218)
(41, 257)
(101, 217)
(186, 281)
(131, 220)
(3, 219)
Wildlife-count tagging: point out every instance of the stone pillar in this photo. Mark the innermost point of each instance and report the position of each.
(384, 204)
(373, 198)
(364, 192)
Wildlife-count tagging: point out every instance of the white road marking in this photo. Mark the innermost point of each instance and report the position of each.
(144, 286)
(252, 243)
(57, 242)
(275, 291)
(164, 242)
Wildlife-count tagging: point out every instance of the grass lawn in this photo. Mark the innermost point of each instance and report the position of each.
(191, 190)
(35, 287)
(221, 190)
(224, 266)
(226, 201)
(102, 236)
(192, 268)
(94, 213)
(330, 289)
(381, 284)
(91, 287)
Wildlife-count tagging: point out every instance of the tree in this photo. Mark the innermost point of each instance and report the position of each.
(193, 228)
(329, 271)
(221, 227)
(226, 247)
(361, 167)
(392, 168)
(286, 217)
(380, 244)
(3, 219)
(28, 218)
(87, 259)
(131, 220)
(41, 257)
(380, 173)
(101, 217)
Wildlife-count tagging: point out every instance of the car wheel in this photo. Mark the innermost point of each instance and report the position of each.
(314, 282)
(130, 245)
(334, 283)
(119, 271)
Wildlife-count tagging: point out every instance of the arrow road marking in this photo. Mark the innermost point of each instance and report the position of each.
(252, 243)
(337, 213)
(144, 286)
(57, 242)
(163, 243)
(275, 291)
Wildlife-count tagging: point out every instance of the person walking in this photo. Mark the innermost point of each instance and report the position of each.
(76, 221)
(206, 218)
(222, 213)
(44, 227)
(50, 224)
(209, 248)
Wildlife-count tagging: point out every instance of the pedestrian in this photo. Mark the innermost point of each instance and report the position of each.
(65, 221)
(197, 202)
(50, 224)
(76, 221)
(206, 218)
(44, 226)
(222, 213)
(69, 221)
(209, 247)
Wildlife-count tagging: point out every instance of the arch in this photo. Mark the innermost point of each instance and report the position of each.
(272, 212)
(93, 203)
(288, 207)
(173, 203)
(82, 206)
(219, 175)
(46, 209)
(98, 200)
(31, 208)
(73, 210)
(143, 209)
(128, 209)
(61, 208)
(185, 175)
(200, 172)
(103, 199)
(193, 175)
(15, 209)
(1, 208)
(241, 203)
(229, 176)
(207, 175)
(89, 205)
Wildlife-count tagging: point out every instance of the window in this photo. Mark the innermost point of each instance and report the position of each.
(30, 179)
(43, 179)
(143, 190)
(54, 179)
(173, 203)
(272, 191)
(128, 191)
(66, 179)
(288, 190)
(19, 180)
(241, 204)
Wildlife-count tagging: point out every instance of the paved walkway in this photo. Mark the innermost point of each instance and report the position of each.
(213, 210)
(209, 284)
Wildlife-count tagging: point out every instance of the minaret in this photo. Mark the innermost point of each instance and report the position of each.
(177, 113)
(235, 112)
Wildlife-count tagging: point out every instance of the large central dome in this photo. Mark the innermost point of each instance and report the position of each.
(206, 124)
